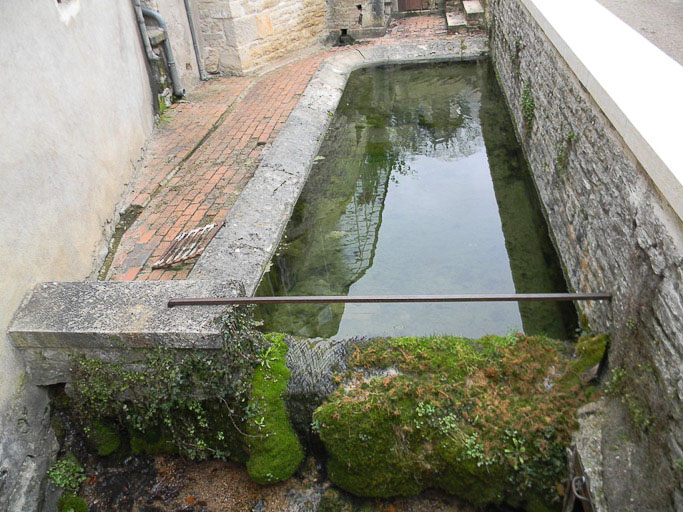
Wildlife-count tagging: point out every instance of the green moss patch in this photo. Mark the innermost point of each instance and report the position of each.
(71, 503)
(274, 449)
(487, 420)
(104, 437)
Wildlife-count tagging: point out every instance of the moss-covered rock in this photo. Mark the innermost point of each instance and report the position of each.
(274, 449)
(487, 420)
(104, 438)
(71, 503)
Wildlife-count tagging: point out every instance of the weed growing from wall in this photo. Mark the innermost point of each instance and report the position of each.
(621, 385)
(190, 402)
(528, 107)
(563, 150)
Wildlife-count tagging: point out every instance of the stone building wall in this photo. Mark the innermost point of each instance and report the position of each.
(358, 17)
(243, 35)
(76, 110)
(615, 232)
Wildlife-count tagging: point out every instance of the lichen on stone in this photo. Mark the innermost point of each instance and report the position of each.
(487, 420)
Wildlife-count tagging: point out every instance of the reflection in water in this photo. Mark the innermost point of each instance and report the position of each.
(420, 188)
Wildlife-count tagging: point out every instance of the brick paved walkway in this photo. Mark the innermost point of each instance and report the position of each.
(207, 149)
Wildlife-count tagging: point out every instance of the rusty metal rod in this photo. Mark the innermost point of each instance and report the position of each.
(329, 299)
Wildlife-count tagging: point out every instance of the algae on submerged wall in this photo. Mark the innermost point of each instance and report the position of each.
(527, 238)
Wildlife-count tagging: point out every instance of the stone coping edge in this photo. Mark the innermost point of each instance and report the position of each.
(242, 249)
(637, 86)
(122, 315)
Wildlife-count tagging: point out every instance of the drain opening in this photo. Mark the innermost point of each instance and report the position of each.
(187, 245)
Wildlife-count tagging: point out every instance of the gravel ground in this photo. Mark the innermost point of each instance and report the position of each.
(660, 21)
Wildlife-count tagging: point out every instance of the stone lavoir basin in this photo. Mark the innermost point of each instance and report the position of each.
(420, 187)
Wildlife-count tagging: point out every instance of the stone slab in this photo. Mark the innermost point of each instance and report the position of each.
(587, 447)
(472, 8)
(455, 20)
(112, 321)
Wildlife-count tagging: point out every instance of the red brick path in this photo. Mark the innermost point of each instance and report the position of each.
(207, 149)
(207, 181)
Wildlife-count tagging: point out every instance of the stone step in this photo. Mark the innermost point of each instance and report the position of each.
(455, 21)
(474, 12)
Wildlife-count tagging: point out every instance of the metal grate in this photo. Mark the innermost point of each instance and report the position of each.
(188, 244)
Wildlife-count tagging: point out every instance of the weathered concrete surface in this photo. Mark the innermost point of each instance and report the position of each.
(76, 111)
(659, 21)
(243, 248)
(27, 449)
(112, 321)
(614, 231)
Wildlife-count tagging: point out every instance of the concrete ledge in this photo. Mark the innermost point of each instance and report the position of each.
(112, 321)
(243, 248)
(636, 85)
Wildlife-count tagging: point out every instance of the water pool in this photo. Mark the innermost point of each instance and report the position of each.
(420, 187)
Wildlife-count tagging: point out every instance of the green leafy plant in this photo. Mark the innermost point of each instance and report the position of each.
(528, 106)
(189, 402)
(67, 474)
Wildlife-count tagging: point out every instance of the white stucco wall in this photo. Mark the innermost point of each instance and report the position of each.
(76, 109)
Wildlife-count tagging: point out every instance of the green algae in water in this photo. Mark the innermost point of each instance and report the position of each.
(423, 189)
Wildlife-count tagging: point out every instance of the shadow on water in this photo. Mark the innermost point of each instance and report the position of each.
(420, 188)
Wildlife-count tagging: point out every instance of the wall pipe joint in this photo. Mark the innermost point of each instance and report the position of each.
(175, 80)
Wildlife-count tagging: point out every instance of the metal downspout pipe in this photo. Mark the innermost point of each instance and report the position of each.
(151, 56)
(200, 64)
(175, 80)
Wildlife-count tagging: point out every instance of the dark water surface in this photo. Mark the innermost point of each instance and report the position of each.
(420, 188)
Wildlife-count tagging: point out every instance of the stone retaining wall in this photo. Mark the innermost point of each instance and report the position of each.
(615, 232)
(360, 18)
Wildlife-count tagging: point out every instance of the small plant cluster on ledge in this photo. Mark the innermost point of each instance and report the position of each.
(226, 404)
(487, 420)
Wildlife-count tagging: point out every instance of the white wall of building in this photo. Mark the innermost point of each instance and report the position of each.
(76, 109)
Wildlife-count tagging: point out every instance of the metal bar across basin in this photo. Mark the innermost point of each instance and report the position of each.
(329, 299)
